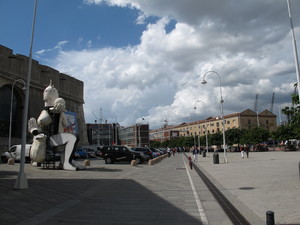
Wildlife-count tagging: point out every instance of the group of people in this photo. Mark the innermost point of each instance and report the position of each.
(171, 151)
(244, 149)
(196, 151)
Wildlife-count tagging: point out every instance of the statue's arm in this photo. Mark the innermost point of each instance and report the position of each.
(33, 126)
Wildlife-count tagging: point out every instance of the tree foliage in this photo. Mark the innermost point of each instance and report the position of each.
(293, 115)
(254, 136)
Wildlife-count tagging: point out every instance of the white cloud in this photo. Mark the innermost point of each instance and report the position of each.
(247, 42)
(59, 46)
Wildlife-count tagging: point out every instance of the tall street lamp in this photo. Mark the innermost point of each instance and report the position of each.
(206, 139)
(11, 107)
(140, 139)
(21, 181)
(222, 114)
(294, 47)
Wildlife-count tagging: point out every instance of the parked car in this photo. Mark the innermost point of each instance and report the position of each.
(148, 153)
(86, 152)
(80, 153)
(15, 153)
(117, 153)
(156, 152)
(261, 148)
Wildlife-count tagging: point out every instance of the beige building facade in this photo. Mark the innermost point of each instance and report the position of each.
(246, 119)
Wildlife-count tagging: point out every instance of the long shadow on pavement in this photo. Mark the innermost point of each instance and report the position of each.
(86, 201)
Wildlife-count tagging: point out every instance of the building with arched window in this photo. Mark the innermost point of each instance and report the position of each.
(13, 76)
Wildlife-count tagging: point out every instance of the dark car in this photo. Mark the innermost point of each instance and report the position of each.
(261, 148)
(146, 151)
(118, 153)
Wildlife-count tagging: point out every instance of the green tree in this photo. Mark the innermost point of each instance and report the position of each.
(293, 116)
(284, 132)
(216, 139)
(254, 136)
(233, 136)
(293, 112)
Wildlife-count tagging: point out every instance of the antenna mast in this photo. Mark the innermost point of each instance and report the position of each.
(272, 102)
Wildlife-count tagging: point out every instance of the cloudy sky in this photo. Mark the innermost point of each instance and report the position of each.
(147, 58)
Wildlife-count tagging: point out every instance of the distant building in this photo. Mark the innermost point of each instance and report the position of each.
(103, 134)
(135, 136)
(164, 134)
(246, 119)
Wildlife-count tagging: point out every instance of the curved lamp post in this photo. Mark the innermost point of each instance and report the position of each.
(11, 104)
(206, 139)
(222, 114)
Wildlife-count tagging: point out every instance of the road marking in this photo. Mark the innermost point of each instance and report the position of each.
(198, 202)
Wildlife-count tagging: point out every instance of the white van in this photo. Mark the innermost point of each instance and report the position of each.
(15, 153)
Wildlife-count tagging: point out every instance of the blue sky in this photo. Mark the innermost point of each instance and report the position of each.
(142, 58)
(73, 21)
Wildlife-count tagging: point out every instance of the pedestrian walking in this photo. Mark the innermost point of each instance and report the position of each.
(242, 149)
(195, 153)
(190, 162)
(169, 151)
(247, 149)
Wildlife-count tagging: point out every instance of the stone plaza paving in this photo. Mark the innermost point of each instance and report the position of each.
(164, 193)
(264, 181)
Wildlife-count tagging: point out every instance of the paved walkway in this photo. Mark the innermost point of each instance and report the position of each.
(264, 181)
(107, 194)
(165, 193)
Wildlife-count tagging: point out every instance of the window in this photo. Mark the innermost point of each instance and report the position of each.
(228, 122)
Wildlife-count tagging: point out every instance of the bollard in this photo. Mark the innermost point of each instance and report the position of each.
(190, 162)
(86, 162)
(151, 162)
(133, 163)
(10, 161)
(216, 158)
(270, 218)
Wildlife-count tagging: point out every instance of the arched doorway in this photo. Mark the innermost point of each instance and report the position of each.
(17, 110)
